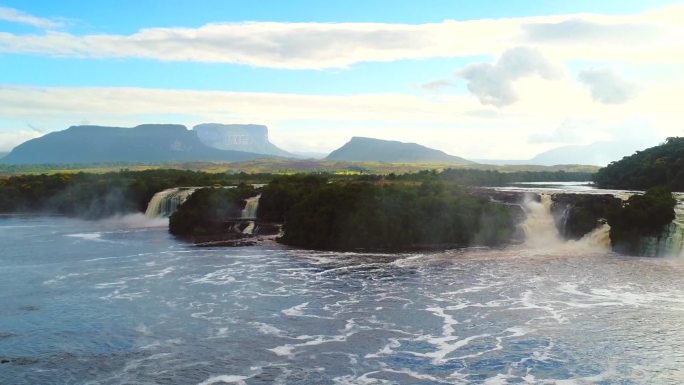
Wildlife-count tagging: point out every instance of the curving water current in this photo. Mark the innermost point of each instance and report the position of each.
(118, 302)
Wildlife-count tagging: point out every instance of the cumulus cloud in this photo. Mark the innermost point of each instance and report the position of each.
(493, 83)
(16, 16)
(607, 87)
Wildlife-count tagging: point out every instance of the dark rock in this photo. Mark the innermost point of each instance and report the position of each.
(578, 214)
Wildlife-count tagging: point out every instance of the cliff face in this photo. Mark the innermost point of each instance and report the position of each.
(148, 143)
(377, 150)
(238, 137)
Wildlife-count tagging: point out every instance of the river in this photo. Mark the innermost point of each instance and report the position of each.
(122, 302)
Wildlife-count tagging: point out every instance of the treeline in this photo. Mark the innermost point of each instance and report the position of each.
(94, 195)
(661, 165)
(641, 216)
(366, 215)
(101, 195)
(491, 178)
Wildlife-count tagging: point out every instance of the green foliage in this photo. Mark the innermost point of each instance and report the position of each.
(642, 215)
(581, 213)
(662, 165)
(285, 191)
(101, 195)
(207, 210)
(473, 177)
(371, 216)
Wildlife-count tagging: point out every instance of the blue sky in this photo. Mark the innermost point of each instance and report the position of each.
(369, 56)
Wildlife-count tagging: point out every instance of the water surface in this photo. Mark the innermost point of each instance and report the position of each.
(115, 303)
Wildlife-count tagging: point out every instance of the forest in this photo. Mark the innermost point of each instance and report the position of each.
(98, 195)
(367, 215)
(661, 165)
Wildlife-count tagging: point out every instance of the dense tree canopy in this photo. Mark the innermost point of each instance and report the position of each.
(364, 215)
(662, 165)
(642, 215)
(100, 195)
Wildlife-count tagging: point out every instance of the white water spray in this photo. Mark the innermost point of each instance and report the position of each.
(541, 231)
(251, 206)
(166, 202)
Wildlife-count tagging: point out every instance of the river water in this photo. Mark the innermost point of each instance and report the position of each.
(122, 302)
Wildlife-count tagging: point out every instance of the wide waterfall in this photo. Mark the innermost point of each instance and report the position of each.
(541, 231)
(670, 243)
(165, 203)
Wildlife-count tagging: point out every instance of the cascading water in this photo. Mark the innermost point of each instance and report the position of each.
(251, 206)
(165, 203)
(539, 227)
(670, 243)
(249, 212)
(541, 231)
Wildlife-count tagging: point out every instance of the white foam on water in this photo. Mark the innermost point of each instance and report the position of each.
(87, 236)
(295, 311)
(269, 329)
(226, 379)
(161, 273)
(219, 277)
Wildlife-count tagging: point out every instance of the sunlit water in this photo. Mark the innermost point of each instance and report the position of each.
(104, 303)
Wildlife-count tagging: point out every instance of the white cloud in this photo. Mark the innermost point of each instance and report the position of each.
(437, 85)
(8, 140)
(16, 16)
(651, 37)
(607, 87)
(493, 83)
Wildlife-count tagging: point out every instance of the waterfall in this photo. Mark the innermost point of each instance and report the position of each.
(251, 205)
(539, 226)
(165, 203)
(541, 230)
(249, 212)
(670, 243)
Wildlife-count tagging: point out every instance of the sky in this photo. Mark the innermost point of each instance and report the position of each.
(495, 79)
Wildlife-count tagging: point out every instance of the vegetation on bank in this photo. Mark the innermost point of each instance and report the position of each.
(661, 165)
(641, 216)
(101, 195)
(92, 195)
(366, 215)
(284, 167)
(208, 210)
(576, 215)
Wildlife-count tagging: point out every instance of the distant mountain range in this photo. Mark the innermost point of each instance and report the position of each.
(148, 143)
(596, 154)
(362, 149)
(213, 142)
(3, 154)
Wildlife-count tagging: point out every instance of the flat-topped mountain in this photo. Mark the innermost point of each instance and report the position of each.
(147, 143)
(239, 137)
(377, 150)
